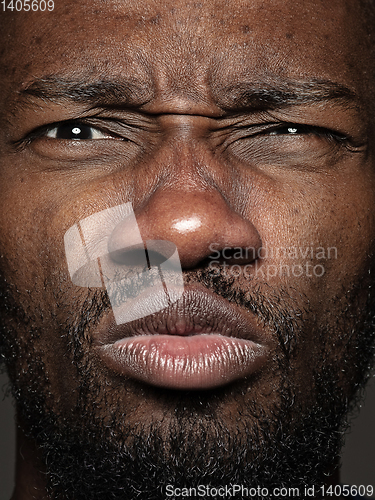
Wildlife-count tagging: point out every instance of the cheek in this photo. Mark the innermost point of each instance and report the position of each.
(30, 254)
(317, 233)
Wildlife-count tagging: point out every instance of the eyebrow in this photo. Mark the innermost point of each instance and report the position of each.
(252, 96)
(283, 93)
(101, 92)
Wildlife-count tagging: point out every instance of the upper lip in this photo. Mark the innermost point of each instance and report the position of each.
(198, 311)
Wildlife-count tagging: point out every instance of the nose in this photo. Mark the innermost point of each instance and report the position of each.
(201, 224)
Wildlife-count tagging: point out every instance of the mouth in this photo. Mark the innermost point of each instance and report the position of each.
(199, 342)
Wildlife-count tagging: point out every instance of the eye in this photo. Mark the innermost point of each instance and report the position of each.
(292, 130)
(77, 131)
(296, 130)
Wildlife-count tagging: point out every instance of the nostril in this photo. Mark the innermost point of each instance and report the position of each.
(154, 253)
(134, 256)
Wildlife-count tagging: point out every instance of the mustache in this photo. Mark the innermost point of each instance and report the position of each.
(277, 309)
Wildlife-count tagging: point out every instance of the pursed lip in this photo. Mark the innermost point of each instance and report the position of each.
(199, 342)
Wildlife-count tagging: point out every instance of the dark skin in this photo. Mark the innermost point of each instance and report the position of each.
(174, 140)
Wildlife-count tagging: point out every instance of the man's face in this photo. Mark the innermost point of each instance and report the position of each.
(226, 126)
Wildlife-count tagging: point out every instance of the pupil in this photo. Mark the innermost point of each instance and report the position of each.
(69, 131)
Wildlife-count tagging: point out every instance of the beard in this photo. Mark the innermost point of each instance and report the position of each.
(280, 438)
(195, 451)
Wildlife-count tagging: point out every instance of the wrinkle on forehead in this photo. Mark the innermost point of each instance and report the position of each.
(189, 48)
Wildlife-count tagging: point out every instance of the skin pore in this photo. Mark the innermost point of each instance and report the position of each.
(254, 119)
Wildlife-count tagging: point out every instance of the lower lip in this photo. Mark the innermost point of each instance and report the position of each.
(197, 362)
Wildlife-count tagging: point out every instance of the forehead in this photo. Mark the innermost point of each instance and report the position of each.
(189, 48)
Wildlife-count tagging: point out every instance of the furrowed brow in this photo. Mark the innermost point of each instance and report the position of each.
(262, 97)
(104, 92)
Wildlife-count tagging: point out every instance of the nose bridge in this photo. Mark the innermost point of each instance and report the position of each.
(186, 149)
(185, 159)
